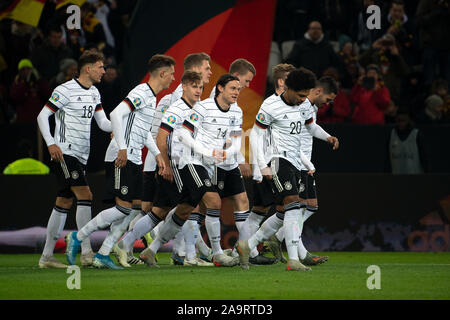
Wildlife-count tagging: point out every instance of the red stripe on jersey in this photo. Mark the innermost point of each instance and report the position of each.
(166, 127)
(51, 107)
(188, 126)
(261, 125)
(309, 121)
(99, 107)
(130, 104)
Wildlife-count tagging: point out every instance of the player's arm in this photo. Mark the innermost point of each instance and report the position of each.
(56, 101)
(101, 119)
(117, 115)
(263, 121)
(308, 164)
(317, 131)
(161, 141)
(256, 171)
(186, 138)
(153, 149)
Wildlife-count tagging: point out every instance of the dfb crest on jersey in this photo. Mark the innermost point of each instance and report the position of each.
(207, 182)
(232, 121)
(75, 175)
(221, 185)
(124, 190)
(288, 185)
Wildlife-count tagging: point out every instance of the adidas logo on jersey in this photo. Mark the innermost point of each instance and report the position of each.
(214, 121)
(285, 117)
(79, 99)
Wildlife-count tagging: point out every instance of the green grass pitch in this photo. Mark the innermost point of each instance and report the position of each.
(403, 276)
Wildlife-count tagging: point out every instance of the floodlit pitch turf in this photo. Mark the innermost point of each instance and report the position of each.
(403, 276)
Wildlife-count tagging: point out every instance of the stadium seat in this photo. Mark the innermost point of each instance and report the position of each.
(286, 48)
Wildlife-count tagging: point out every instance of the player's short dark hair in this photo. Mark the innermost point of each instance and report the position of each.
(328, 84)
(242, 66)
(195, 60)
(160, 61)
(223, 80)
(90, 56)
(301, 79)
(190, 77)
(279, 71)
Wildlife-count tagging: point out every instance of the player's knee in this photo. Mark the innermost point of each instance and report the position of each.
(212, 200)
(261, 209)
(290, 199)
(65, 203)
(147, 206)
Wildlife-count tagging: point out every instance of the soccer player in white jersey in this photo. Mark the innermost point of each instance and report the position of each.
(131, 122)
(324, 93)
(285, 117)
(73, 103)
(168, 182)
(263, 196)
(211, 134)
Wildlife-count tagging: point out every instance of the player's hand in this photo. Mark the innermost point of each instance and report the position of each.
(121, 159)
(266, 173)
(219, 155)
(334, 141)
(160, 163)
(227, 144)
(55, 153)
(311, 172)
(111, 135)
(245, 170)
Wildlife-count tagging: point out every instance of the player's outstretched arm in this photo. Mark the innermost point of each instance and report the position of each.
(308, 164)
(317, 131)
(117, 116)
(186, 138)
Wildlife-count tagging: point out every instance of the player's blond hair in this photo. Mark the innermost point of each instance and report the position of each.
(195, 60)
(242, 66)
(279, 72)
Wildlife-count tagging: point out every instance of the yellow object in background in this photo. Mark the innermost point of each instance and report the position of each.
(26, 166)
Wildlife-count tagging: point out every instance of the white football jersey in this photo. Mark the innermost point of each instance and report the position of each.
(137, 124)
(163, 104)
(306, 137)
(286, 122)
(211, 127)
(74, 106)
(172, 121)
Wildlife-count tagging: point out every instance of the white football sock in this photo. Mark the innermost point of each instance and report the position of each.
(136, 219)
(144, 225)
(190, 235)
(267, 229)
(55, 226)
(212, 223)
(169, 229)
(103, 220)
(83, 216)
(292, 216)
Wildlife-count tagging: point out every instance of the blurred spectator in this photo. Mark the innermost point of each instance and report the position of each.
(402, 28)
(102, 13)
(46, 57)
(7, 113)
(339, 110)
(109, 89)
(385, 54)
(25, 163)
(350, 60)
(363, 36)
(28, 92)
(432, 113)
(92, 27)
(407, 153)
(413, 94)
(370, 97)
(314, 52)
(68, 69)
(433, 18)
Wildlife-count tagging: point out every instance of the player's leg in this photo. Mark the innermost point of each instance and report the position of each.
(54, 229)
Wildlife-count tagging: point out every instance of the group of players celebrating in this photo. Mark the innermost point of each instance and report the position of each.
(193, 161)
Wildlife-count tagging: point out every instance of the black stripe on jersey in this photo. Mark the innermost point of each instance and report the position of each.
(51, 106)
(151, 89)
(62, 128)
(309, 121)
(129, 103)
(128, 129)
(261, 125)
(98, 107)
(188, 126)
(166, 127)
(85, 88)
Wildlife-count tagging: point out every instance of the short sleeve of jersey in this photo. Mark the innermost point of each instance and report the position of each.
(135, 99)
(171, 119)
(59, 98)
(195, 117)
(263, 118)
